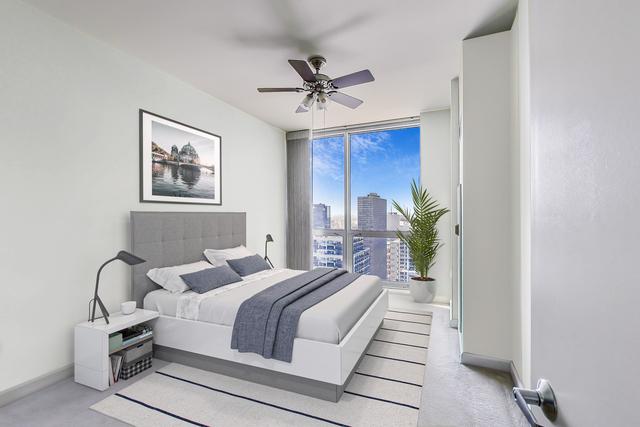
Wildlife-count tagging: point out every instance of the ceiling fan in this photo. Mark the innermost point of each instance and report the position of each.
(320, 87)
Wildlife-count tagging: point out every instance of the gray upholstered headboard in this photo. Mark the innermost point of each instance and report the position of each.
(173, 238)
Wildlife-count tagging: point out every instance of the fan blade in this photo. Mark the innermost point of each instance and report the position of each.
(353, 79)
(301, 109)
(279, 89)
(303, 69)
(346, 100)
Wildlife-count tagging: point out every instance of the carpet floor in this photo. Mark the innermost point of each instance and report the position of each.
(385, 390)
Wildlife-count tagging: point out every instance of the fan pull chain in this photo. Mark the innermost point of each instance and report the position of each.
(324, 118)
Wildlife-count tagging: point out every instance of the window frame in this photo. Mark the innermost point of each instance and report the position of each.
(348, 233)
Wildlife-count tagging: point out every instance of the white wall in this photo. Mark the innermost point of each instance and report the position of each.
(585, 104)
(435, 171)
(502, 173)
(69, 134)
(487, 196)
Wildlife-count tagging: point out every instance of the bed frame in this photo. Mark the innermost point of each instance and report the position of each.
(170, 238)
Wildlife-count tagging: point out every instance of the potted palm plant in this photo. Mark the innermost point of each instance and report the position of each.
(422, 240)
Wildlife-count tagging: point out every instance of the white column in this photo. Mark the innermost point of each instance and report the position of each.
(435, 171)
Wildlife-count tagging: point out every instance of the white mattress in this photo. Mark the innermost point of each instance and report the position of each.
(328, 321)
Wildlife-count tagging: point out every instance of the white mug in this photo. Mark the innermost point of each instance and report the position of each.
(128, 307)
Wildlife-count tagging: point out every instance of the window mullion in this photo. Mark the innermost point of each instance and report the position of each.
(348, 241)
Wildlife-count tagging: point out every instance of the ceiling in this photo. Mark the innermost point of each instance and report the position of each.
(229, 48)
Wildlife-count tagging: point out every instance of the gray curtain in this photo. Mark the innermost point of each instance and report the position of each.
(299, 200)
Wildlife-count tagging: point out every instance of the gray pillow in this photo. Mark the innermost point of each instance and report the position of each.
(248, 265)
(210, 278)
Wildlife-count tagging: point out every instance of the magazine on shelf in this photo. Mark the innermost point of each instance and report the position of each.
(115, 364)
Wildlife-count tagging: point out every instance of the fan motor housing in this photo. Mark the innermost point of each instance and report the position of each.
(317, 62)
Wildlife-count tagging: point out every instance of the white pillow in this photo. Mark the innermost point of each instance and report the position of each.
(219, 257)
(169, 277)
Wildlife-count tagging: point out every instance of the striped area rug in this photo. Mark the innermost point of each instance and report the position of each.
(384, 391)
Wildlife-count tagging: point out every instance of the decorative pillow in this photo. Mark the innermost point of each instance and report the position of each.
(205, 280)
(248, 265)
(218, 257)
(169, 277)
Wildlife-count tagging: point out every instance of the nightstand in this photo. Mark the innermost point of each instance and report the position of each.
(91, 348)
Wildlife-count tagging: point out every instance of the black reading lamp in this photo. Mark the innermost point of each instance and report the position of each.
(269, 239)
(127, 258)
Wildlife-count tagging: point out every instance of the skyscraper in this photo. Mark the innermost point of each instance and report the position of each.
(372, 215)
(361, 256)
(321, 215)
(327, 251)
(400, 266)
(372, 212)
(396, 222)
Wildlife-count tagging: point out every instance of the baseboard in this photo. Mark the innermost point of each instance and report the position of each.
(21, 390)
(488, 362)
(437, 300)
(441, 300)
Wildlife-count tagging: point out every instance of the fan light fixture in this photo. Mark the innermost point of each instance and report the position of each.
(307, 102)
(322, 101)
(320, 87)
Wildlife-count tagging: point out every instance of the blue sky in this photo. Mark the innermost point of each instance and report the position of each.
(382, 162)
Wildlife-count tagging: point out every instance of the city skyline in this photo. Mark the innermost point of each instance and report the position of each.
(166, 137)
(387, 258)
(382, 162)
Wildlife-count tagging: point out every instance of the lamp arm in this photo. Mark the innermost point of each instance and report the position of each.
(95, 293)
(266, 257)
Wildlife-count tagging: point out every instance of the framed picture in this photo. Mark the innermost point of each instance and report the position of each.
(178, 163)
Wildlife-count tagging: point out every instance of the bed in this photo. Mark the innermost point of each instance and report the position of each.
(195, 329)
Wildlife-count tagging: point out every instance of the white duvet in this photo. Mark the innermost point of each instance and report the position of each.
(328, 321)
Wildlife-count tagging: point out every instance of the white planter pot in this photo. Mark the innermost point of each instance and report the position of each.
(422, 291)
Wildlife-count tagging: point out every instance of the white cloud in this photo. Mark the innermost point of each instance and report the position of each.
(364, 145)
(406, 167)
(328, 158)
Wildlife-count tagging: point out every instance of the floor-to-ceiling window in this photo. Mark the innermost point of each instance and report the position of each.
(357, 173)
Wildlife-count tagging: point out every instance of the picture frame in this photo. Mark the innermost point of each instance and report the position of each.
(179, 163)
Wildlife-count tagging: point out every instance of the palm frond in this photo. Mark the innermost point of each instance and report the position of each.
(422, 238)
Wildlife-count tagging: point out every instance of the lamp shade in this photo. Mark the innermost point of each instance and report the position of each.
(269, 238)
(307, 101)
(129, 258)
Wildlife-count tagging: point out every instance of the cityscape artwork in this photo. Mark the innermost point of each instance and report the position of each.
(179, 163)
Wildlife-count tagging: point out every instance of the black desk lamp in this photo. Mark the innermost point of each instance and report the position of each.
(269, 239)
(123, 256)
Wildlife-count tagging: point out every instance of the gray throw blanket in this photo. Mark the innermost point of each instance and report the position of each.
(267, 322)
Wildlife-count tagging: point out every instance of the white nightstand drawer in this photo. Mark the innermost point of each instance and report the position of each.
(90, 348)
(92, 378)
